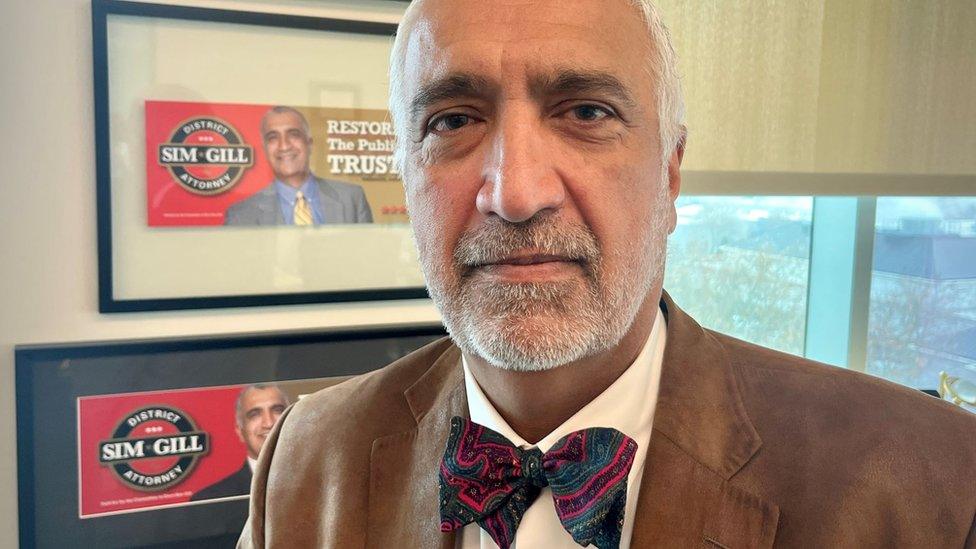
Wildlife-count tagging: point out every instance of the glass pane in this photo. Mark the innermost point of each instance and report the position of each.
(923, 291)
(740, 265)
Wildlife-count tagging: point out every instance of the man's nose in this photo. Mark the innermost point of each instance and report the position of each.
(282, 142)
(520, 178)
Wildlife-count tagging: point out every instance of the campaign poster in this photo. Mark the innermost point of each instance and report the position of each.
(157, 449)
(203, 158)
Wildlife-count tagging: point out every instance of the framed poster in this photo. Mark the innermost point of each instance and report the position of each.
(151, 443)
(245, 159)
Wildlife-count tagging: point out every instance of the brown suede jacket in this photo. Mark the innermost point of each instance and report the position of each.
(750, 448)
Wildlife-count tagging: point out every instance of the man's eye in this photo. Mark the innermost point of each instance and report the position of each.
(590, 113)
(450, 122)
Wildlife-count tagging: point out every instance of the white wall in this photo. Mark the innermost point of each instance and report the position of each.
(48, 263)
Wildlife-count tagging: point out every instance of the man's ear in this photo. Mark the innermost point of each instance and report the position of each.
(674, 166)
(240, 433)
(674, 180)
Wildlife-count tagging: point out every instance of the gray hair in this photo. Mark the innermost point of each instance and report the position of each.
(663, 67)
(239, 405)
(281, 109)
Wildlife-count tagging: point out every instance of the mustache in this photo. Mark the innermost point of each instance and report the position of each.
(497, 240)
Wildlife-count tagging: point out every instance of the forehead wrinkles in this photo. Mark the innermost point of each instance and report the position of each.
(490, 37)
(506, 19)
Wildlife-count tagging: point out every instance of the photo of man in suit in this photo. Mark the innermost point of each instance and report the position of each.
(296, 196)
(575, 404)
(256, 411)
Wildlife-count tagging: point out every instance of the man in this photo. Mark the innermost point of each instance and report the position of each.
(575, 403)
(257, 409)
(296, 196)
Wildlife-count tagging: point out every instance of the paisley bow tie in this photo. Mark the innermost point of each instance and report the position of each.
(486, 479)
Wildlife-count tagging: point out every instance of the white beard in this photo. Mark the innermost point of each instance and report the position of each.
(539, 326)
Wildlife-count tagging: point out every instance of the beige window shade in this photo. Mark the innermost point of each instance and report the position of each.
(880, 94)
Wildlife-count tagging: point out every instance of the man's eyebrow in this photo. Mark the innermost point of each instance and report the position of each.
(450, 87)
(574, 81)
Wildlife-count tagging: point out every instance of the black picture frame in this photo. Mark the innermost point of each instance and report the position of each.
(50, 380)
(108, 301)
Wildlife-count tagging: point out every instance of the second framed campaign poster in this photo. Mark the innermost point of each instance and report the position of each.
(152, 443)
(245, 159)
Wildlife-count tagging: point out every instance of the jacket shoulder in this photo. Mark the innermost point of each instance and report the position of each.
(836, 440)
(367, 406)
(797, 385)
(340, 187)
(314, 469)
(251, 206)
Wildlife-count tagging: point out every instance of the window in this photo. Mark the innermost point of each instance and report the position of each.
(923, 290)
(740, 266)
(884, 285)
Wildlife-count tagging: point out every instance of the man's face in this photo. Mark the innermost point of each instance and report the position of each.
(533, 174)
(286, 145)
(260, 409)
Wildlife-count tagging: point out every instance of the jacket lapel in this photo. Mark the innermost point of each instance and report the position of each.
(684, 504)
(702, 437)
(329, 200)
(404, 482)
(269, 209)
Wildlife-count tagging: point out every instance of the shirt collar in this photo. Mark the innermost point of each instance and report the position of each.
(626, 405)
(288, 193)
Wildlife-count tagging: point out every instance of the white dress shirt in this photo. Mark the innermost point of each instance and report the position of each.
(627, 405)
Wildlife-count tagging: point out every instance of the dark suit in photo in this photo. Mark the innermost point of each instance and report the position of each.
(237, 484)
